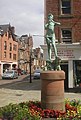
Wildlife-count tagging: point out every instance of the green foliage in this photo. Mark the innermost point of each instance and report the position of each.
(32, 111)
(17, 112)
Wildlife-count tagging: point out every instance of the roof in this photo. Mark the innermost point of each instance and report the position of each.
(7, 28)
(4, 28)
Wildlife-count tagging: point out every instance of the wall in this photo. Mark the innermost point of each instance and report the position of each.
(73, 21)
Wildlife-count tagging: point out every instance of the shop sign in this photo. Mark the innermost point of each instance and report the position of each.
(66, 53)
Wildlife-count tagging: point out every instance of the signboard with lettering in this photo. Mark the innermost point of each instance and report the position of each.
(68, 54)
(65, 52)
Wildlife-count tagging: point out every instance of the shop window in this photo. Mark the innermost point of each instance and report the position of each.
(65, 7)
(66, 35)
(77, 71)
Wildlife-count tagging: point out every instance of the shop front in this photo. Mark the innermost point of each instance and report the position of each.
(77, 72)
(7, 66)
(70, 55)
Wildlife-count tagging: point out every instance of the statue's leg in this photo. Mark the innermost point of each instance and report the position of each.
(54, 48)
(49, 47)
(49, 52)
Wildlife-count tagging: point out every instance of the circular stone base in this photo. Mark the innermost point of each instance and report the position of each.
(52, 90)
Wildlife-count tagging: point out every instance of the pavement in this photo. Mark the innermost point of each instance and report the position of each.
(21, 90)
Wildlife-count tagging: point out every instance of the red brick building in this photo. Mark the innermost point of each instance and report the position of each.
(8, 48)
(67, 12)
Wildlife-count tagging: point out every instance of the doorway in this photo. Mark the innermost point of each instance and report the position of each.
(64, 67)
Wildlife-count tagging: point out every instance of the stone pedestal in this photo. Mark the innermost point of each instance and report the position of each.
(52, 90)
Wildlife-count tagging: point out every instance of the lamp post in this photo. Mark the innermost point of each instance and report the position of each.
(30, 66)
(30, 61)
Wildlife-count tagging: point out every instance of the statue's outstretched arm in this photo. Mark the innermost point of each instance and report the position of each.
(57, 23)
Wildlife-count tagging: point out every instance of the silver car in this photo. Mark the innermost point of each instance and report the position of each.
(10, 74)
(37, 74)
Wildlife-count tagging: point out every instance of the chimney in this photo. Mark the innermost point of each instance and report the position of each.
(13, 29)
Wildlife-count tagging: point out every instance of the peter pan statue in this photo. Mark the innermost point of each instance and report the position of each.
(50, 39)
(50, 35)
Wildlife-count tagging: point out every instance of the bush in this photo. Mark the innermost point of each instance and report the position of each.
(32, 111)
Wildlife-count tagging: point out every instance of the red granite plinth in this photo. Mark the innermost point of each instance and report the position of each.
(52, 90)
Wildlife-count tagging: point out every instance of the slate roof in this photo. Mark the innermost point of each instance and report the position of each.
(7, 28)
(4, 28)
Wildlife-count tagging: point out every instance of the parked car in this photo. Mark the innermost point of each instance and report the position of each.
(10, 74)
(37, 74)
(23, 72)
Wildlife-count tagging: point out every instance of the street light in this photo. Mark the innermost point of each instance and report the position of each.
(30, 66)
(30, 61)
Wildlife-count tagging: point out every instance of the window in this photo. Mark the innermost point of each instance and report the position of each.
(65, 6)
(66, 35)
(5, 45)
(4, 54)
(10, 55)
(14, 56)
(10, 46)
(14, 47)
(21, 55)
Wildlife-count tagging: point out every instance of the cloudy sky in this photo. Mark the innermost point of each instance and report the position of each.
(27, 16)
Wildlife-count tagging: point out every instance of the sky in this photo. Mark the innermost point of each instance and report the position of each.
(27, 16)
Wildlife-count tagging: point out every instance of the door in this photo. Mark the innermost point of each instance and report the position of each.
(64, 67)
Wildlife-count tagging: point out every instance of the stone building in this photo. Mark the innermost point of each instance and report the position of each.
(8, 48)
(39, 62)
(67, 12)
(25, 44)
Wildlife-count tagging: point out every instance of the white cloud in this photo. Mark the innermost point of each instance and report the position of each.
(27, 16)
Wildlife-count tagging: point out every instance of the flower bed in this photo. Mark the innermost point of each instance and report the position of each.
(32, 111)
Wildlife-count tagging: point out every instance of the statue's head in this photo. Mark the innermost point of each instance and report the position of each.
(50, 16)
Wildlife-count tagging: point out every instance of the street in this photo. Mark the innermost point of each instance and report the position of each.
(21, 90)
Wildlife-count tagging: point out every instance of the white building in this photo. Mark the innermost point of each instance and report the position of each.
(70, 55)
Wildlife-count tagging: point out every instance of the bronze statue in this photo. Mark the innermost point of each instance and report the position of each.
(50, 37)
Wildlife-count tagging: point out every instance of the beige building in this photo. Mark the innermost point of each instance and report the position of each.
(39, 62)
(25, 45)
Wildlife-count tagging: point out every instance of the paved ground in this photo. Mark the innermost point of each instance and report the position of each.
(15, 91)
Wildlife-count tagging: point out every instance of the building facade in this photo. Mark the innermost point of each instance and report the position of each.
(39, 62)
(8, 48)
(67, 12)
(25, 45)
